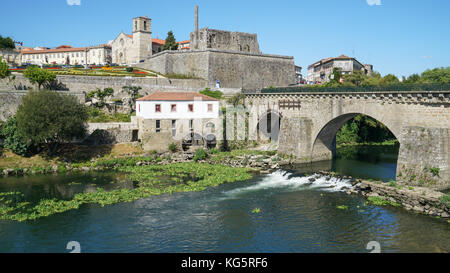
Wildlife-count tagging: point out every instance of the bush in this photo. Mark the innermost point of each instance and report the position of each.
(129, 69)
(4, 70)
(200, 154)
(12, 138)
(214, 151)
(173, 147)
(49, 118)
(213, 94)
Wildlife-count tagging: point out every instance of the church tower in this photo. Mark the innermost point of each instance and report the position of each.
(142, 38)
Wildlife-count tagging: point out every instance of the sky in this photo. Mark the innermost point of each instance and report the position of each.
(398, 37)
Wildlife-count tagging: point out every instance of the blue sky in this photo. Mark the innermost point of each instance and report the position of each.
(396, 36)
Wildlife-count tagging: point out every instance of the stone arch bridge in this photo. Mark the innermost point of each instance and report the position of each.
(420, 120)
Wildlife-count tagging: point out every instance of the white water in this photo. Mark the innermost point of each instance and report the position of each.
(280, 179)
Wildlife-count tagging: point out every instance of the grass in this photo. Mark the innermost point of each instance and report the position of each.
(378, 201)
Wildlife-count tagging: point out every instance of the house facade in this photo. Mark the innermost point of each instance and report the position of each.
(65, 54)
(184, 118)
(319, 72)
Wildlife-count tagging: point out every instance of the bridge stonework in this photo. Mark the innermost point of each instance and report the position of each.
(420, 120)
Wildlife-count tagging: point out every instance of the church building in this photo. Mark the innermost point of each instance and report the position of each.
(132, 49)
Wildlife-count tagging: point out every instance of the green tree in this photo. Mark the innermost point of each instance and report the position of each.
(100, 95)
(336, 75)
(437, 75)
(4, 70)
(47, 118)
(237, 99)
(171, 43)
(356, 77)
(7, 42)
(12, 138)
(39, 76)
(414, 78)
(389, 79)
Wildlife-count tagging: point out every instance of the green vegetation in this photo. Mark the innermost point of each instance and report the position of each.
(4, 70)
(151, 180)
(96, 115)
(7, 43)
(237, 99)
(39, 76)
(378, 201)
(213, 94)
(364, 129)
(47, 118)
(173, 147)
(13, 140)
(343, 207)
(445, 199)
(100, 95)
(170, 43)
(200, 154)
(256, 210)
(180, 76)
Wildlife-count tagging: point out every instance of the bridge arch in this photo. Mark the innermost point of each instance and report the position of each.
(324, 144)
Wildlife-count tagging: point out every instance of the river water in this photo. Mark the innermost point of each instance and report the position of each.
(294, 216)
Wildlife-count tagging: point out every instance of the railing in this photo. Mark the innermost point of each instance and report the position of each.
(368, 88)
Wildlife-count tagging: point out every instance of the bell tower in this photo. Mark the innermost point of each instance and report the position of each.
(142, 38)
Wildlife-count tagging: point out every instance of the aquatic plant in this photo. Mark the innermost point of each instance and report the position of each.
(256, 210)
(151, 180)
(342, 207)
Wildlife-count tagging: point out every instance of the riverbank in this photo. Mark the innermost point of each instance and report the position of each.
(417, 199)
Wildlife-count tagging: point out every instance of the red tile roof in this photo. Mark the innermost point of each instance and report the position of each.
(56, 50)
(158, 41)
(176, 96)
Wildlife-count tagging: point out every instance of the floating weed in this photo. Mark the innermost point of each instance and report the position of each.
(150, 180)
(342, 207)
(256, 210)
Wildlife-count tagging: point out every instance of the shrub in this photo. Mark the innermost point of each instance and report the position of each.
(39, 76)
(213, 151)
(173, 147)
(129, 69)
(213, 94)
(4, 70)
(200, 154)
(13, 139)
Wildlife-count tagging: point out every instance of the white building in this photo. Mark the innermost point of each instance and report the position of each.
(65, 54)
(319, 72)
(186, 118)
(177, 105)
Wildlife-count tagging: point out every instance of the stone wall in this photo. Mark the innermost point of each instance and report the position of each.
(225, 40)
(232, 69)
(89, 83)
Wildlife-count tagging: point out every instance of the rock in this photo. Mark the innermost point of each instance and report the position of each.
(418, 208)
(54, 168)
(311, 179)
(85, 169)
(139, 163)
(445, 215)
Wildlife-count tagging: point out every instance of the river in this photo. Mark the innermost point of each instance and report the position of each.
(293, 216)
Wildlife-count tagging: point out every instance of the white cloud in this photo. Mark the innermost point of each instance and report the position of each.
(73, 2)
(374, 2)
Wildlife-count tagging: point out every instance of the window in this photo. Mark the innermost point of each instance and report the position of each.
(145, 25)
(158, 126)
(191, 125)
(173, 108)
(210, 107)
(190, 107)
(158, 108)
(174, 128)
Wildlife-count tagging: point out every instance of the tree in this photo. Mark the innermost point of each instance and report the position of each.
(7, 42)
(12, 138)
(47, 118)
(4, 70)
(170, 43)
(414, 78)
(389, 79)
(356, 77)
(39, 76)
(437, 75)
(237, 99)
